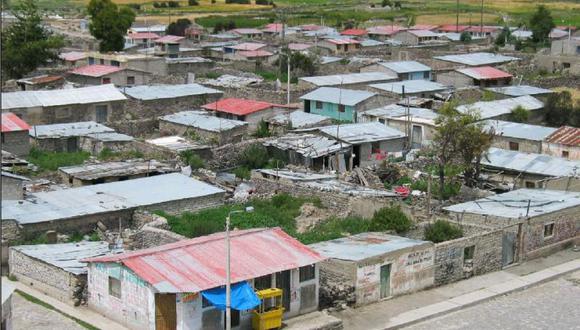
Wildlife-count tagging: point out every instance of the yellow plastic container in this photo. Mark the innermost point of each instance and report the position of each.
(270, 312)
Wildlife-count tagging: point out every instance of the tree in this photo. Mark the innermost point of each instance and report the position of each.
(519, 114)
(26, 45)
(109, 24)
(504, 37)
(178, 28)
(465, 37)
(541, 23)
(193, 2)
(411, 19)
(390, 218)
(559, 108)
(298, 61)
(172, 4)
(387, 3)
(471, 144)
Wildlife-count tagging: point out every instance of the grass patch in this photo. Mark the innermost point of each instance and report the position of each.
(108, 154)
(46, 305)
(51, 161)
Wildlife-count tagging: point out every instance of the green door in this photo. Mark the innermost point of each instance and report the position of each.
(385, 281)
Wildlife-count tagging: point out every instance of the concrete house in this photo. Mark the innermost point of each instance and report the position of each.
(88, 136)
(41, 82)
(95, 103)
(203, 125)
(416, 37)
(515, 169)
(143, 62)
(564, 55)
(97, 173)
(405, 70)
(249, 111)
(564, 142)
(376, 266)
(168, 46)
(79, 209)
(73, 59)
(56, 269)
(247, 33)
(13, 186)
(484, 76)
(517, 136)
(158, 29)
(371, 143)
(340, 104)
(150, 284)
(422, 121)
(536, 222)
(476, 59)
(96, 74)
(140, 39)
(521, 90)
(340, 45)
(418, 88)
(347, 80)
(15, 135)
(184, 65)
(502, 109)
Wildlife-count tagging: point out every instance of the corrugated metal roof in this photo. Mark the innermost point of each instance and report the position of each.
(453, 28)
(199, 264)
(299, 46)
(152, 28)
(485, 29)
(57, 97)
(169, 39)
(14, 176)
(365, 245)
(12, 123)
(308, 145)
(111, 137)
(520, 90)
(349, 78)
(142, 35)
(477, 59)
(423, 33)
(42, 79)
(246, 31)
(237, 106)
(106, 197)
(176, 143)
(539, 164)
(362, 132)
(67, 256)
(371, 43)
(329, 59)
(484, 73)
(385, 30)
(411, 86)
(519, 130)
(354, 32)
(69, 129)
(514, 204)
(348, 97)
(521, 34)
(112, 169)
(399, 112)
(298, 119)
(95, 70)
(254, 53)
(72, 56)
(566, 135)
(7, 287)
(405, 66)
(156, 92)
(492, 109)
(423, 27)
(203, 120)
(192, 59)
(247, 46)
(342, 41)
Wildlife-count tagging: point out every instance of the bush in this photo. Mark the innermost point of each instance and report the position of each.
(263, 2)
(255, 156)
(262, 131)
(172, 4)
(242, 172)
(192, 2)
(465, 37)
(390, 218)
(242, 2)
(519, 114)
(442, 231)
(135, 6)
(51, 161)
(450, 189)
(192, 159)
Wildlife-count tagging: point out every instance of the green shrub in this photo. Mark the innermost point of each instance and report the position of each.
(255, 156)
(519, 114)
(334, 228)
(192, 159)
(465, 37)
(242, 172)
(450, 189)
(262, 131)
(442, 231)
(51, 161)
(390, 218)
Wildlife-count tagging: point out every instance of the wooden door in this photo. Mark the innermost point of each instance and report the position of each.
(165, 311)
(385, 281)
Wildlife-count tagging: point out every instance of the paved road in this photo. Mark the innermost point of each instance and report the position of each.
(553, 305)
(30, 316)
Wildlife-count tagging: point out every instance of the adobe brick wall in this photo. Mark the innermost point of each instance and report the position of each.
(17, 143)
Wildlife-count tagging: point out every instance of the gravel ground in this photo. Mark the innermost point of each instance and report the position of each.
(30, 316)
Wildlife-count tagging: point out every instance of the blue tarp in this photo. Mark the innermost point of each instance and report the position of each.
(243, 297)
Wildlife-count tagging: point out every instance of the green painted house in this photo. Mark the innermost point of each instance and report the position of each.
(339, 104)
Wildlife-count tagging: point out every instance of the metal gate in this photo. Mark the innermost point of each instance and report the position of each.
(508, 248)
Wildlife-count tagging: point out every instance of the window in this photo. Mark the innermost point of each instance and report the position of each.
(91, 60)
(318, 105)
(114, 287)
(264, 282)
(376, 148)
(130, 80)
(565, 154)
(106, 81)
(115, 63)
(382, 121)
(468, 253)
(101, 61)
(3, 137)
(530, 184)
(549, 230)
(307, 273)
(426, 75)
(566, 65)
(341, 108)
(514, 146)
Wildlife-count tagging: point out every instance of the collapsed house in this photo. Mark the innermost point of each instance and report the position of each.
(15, 135)
(120, 284)
(203, 125)
(56, 269)
(375, 266)
(296, 120)
(517, 136)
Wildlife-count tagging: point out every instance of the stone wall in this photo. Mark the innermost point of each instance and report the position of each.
(229, 156)
(337, 283)
(153, 231)
(12, 188)
(136, 128)
(17, 143)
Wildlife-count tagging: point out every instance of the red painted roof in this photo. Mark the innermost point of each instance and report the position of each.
(354, 32)
(453, 28)
(248, 46)
(310, 27)
(423, 27)
(484, 73)
(274, 28)
(238, 107)
(143, 35)
(254, 53)
(485, 29)
(566, 135)
(198, 264)
(385, 29)
(298, 46)
(169, 39)
(95, 70)
(11, 123)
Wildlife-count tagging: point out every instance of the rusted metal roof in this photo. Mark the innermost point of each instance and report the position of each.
(95, 70)
(169, 39)
(566, 135)
(38, 80)
(198, 264)
(11, 123)
(238, 107)
(354, 32)
(248, 46)
(485, 73)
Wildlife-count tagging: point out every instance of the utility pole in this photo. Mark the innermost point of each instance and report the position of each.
(481, 22)
(457, 19)
(288, 85)
(429, 180)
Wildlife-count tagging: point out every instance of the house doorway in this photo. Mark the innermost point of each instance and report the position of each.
(356, 160)
(508, 248)
(385, 281)
(417, 137)
(283, 282)
(165, 311)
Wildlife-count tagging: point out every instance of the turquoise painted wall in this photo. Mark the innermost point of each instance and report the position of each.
(331, 110)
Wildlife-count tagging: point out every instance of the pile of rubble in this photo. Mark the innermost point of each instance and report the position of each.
(335, 293)
(366, 177)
